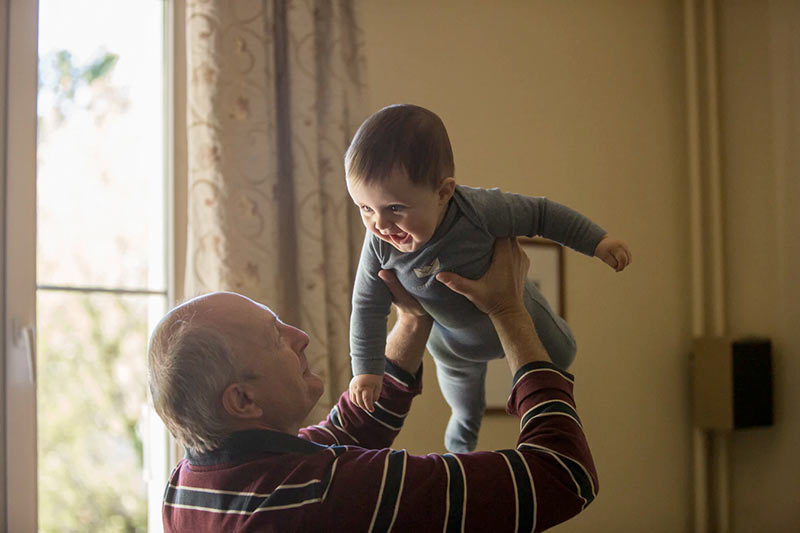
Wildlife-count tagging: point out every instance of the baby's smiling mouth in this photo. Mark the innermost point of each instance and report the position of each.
(400, 237)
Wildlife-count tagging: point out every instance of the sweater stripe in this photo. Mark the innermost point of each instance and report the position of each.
(524, 372)
(286, 496)
(580, 476)
(523, 486)
(456, 494)
(535, 502)
(399, 375)
(398, 415)
(550, 407)
(336, 451)
(329, 432)
(337, 423)
(380, 492)
(385, 418)
(389, 500)
(283, 497)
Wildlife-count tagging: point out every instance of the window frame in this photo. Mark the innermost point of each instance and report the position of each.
(19, 297)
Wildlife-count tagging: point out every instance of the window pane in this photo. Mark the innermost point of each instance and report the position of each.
(91, 397)
(100, 143)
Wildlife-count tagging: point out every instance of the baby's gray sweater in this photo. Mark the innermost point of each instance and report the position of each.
(462, 243)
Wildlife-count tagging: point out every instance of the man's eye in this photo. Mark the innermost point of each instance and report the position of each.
(366, 209)
(396, 208)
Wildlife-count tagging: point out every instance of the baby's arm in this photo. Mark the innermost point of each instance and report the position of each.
(510, 215)
(371, 304)
(404, 346)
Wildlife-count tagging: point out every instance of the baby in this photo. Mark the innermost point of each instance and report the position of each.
(421, 225)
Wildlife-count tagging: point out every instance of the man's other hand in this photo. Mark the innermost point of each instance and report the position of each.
(500, 288)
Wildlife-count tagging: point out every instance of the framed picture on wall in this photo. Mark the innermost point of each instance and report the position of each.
(547, 273)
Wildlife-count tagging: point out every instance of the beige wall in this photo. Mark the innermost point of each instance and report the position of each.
(760, 126)
(584, 102)
(581, 102)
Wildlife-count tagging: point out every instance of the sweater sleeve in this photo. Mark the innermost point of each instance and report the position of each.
(371, 304)
(348, 424)
(546, 479)
(512, 215)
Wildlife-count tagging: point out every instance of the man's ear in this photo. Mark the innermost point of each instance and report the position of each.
(446, 190)
(239, 403)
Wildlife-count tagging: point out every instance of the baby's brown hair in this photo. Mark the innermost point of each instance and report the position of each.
(402, 136)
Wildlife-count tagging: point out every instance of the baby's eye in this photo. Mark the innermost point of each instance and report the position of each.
(396, 208)
(366, 209)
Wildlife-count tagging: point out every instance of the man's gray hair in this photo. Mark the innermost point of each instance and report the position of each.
(190, 365)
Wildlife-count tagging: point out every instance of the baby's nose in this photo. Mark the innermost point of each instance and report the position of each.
(382, 222)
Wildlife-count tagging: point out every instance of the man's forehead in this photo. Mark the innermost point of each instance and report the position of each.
(224, 307)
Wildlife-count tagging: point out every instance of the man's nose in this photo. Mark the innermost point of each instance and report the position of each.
(300, 338)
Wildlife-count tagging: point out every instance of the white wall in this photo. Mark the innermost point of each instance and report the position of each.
(583, 102)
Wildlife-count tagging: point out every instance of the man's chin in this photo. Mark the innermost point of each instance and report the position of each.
(315, 384)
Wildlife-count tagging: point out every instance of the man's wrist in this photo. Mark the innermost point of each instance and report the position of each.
(413, 322)
(406, 343)
(518, 336)
(509, 314)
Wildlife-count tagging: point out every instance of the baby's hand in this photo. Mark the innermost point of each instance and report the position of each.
(614, 252)
(365, 390)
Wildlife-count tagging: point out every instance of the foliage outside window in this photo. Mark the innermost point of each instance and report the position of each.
(100, 159)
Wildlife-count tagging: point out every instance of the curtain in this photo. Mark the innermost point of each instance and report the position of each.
(274, 97)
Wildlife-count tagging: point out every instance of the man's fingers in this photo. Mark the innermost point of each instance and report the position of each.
(453, 281)
(399, 293)
(389, 278)
(525, 261)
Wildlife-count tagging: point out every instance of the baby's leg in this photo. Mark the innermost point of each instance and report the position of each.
(463, 388)
(462, 384)
(552, 329)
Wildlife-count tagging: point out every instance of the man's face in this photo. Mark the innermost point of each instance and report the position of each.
(273, 362)
(398, 211)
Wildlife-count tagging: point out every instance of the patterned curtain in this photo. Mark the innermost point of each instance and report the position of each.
(274, 97)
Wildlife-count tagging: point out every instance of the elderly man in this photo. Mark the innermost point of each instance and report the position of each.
(232, 383)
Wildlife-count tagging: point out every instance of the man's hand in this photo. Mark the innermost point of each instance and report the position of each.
(500, 289)
(614, 252)
(365, 390)
(405, 344)
(499, 294)
(405, 303)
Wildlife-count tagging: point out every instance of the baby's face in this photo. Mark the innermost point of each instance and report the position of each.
(401, 213)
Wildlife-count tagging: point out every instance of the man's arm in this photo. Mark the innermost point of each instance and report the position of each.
(402, 380)
(548, 478)
(405, 345)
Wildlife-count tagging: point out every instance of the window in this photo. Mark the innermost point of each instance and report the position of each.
(101, 262)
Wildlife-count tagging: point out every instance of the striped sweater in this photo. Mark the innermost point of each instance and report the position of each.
(341, 475)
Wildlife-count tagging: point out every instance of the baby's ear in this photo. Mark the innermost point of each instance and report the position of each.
(446, 190)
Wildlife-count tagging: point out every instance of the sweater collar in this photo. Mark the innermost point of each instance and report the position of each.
(245, 444)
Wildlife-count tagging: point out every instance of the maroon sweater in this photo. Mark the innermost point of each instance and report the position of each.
(341, 475)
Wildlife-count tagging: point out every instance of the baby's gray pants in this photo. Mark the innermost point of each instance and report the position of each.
(462, 376)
